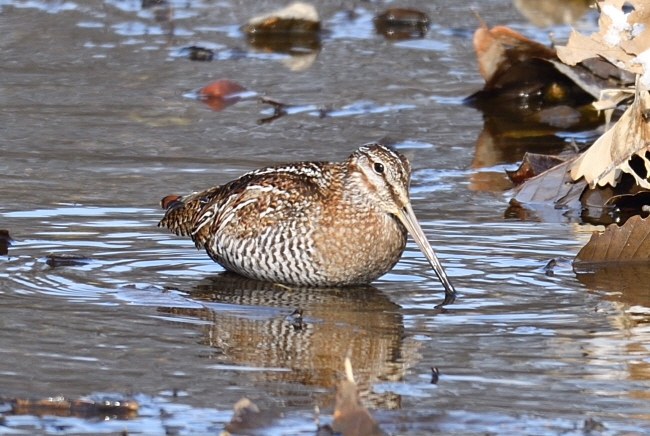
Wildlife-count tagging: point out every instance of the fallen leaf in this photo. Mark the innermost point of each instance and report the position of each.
(220, 94)
(593, 76)
(532, 165)
(350, 417)
(553, 186)
(617, 245)
(609, 99)
(620, 39)
(499, 48)
(517, 69)
(298, 17)
(294, 30)
(221, 88)
(603, 162)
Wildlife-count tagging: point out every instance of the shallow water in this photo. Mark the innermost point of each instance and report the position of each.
(97, 128)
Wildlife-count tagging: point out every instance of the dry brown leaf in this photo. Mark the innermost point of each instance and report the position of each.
(298, 17)
(617, 245)
(621, 37)
(221, 88)
(220, 94)
(609, 99)
(350, 417)
(610, 154)
(499, 48)
(533, 164)
(553, 186)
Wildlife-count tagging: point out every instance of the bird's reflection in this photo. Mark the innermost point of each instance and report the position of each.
(301, 335)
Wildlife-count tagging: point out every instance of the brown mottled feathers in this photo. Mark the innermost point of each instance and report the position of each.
(248, 204)
(181, 211)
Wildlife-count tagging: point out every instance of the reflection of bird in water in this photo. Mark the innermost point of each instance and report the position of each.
(308, 223)
(248, 323)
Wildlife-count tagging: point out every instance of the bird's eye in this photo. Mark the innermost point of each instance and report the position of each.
(379, 168)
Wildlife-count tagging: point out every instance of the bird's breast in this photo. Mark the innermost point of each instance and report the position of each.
(359, 246)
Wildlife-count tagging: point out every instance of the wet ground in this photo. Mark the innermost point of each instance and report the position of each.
(97, 127)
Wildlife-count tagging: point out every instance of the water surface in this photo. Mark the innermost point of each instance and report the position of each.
(97, 128)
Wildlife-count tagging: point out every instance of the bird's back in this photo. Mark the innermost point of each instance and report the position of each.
(267, 212)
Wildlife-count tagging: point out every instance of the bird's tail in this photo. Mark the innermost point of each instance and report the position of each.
(182, 212)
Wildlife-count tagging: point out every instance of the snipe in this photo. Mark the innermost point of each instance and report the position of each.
(309, 223)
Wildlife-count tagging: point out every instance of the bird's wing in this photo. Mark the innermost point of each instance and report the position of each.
(261, 199)
(246, 206)
(181, 211)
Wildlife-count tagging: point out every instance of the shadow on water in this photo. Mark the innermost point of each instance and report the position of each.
(301, 335)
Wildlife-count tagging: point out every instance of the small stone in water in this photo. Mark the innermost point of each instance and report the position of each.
(200, 53)
(402, 23)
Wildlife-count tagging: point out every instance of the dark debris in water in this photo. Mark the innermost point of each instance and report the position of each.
(56, 260)
(296, 319)
(402, 23)
(153, 3)
(592, 425)
(279, 109)
(435, 375)
(5, 242)
(197, 53)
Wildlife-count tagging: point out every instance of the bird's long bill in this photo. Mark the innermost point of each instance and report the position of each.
(407, 217)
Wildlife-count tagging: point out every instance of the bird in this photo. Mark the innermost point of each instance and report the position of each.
(313, 224)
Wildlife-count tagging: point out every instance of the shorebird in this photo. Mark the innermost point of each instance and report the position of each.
(320, 224)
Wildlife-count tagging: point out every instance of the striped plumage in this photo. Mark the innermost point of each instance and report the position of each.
(308, 223)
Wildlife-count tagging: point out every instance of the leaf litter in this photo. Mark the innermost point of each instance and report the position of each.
(612, 174)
